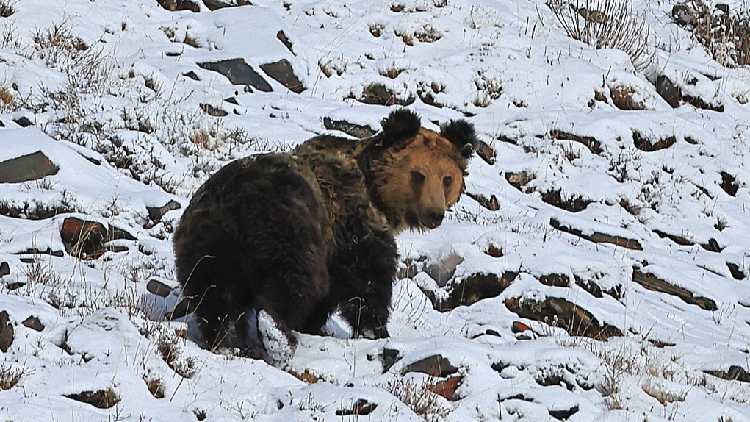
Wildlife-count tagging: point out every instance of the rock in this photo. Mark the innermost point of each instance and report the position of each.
(572, 204)
(564, 314)
(735, 372)
(598, 237)
(590, 142)
(435, 365)
(491, 204)
(389, 357)
(379, 94)
(351, 129)
(555, 280)
(674, 238)
(282, 72)
(737, 273)
(712, 246)
(443, 270)
(220, 4)
(23, 121)
(160, 287)
(281, 36)
(27, 167)
(519, 180)
(86, 239)
(213, 111)
(666, 89)
(4, 269)
(174, 5)
(446, 388)
(156, 213)
(729, 184)
(239, 73)
(563, 414)
(648, 145)
(33, 323)
(6, 331)
(474, 288)
(652, 282)
(519, 327)
(101, 399)
(360, 408)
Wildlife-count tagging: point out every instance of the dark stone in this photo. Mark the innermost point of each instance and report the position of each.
(674, 238)
(27, 167)
(598, 237)
(158, 288)
(648, 145)
(737, 273)
(4, 269)
(213, 111)
(361, 408)
(563, 414)
(282, 72)
(101, 399)
(712, 246)
(573, 204)
(174, 5)
(238, 72)
(590, 142)
(735, 373)
(729, 184)
(156, 213)
(281, 36)
(48, 251)
(666, 89)
(700, 103)
(23, 121)
(86, 239)
(474, 288)
(351, 129)
(192, 75)
(555, 280)
(491, 204)
(232, 100)
(435, 365)
(380, 95)
(33, 323)
(6, 331)
(564, 314)
(389, 357)
(220, 4)
(652, 282)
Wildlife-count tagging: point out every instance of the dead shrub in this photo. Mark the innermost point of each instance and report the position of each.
(606, 24)
(723, 33)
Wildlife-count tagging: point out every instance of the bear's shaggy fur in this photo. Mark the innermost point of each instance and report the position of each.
(300, 235)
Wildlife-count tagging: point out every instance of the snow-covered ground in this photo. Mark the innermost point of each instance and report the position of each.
(596, 270)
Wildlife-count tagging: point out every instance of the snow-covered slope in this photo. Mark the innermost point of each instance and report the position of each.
(597, 268)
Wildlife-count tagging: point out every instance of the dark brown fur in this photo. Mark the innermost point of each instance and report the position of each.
(301, 235)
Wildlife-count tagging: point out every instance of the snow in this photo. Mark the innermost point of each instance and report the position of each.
(123, 121)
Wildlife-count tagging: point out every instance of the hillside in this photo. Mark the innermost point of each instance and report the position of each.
(597, 268)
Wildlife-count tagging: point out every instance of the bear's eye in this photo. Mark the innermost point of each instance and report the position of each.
(417, 177)
(447, 181)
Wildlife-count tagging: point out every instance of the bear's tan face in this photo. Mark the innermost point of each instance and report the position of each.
(422, 181)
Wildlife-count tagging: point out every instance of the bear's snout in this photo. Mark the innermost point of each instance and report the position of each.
(433, 217)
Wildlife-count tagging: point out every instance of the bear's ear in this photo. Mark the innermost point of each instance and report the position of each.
(399, 125)
(461, 134)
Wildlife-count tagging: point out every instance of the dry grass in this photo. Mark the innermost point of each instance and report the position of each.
(418, 397)
(606, 24)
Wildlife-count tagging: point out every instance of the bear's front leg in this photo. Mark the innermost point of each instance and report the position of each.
(364, 273)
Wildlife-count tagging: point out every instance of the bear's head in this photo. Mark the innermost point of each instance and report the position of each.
(416, 174)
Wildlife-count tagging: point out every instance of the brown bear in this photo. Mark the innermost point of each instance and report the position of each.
(295, 237)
